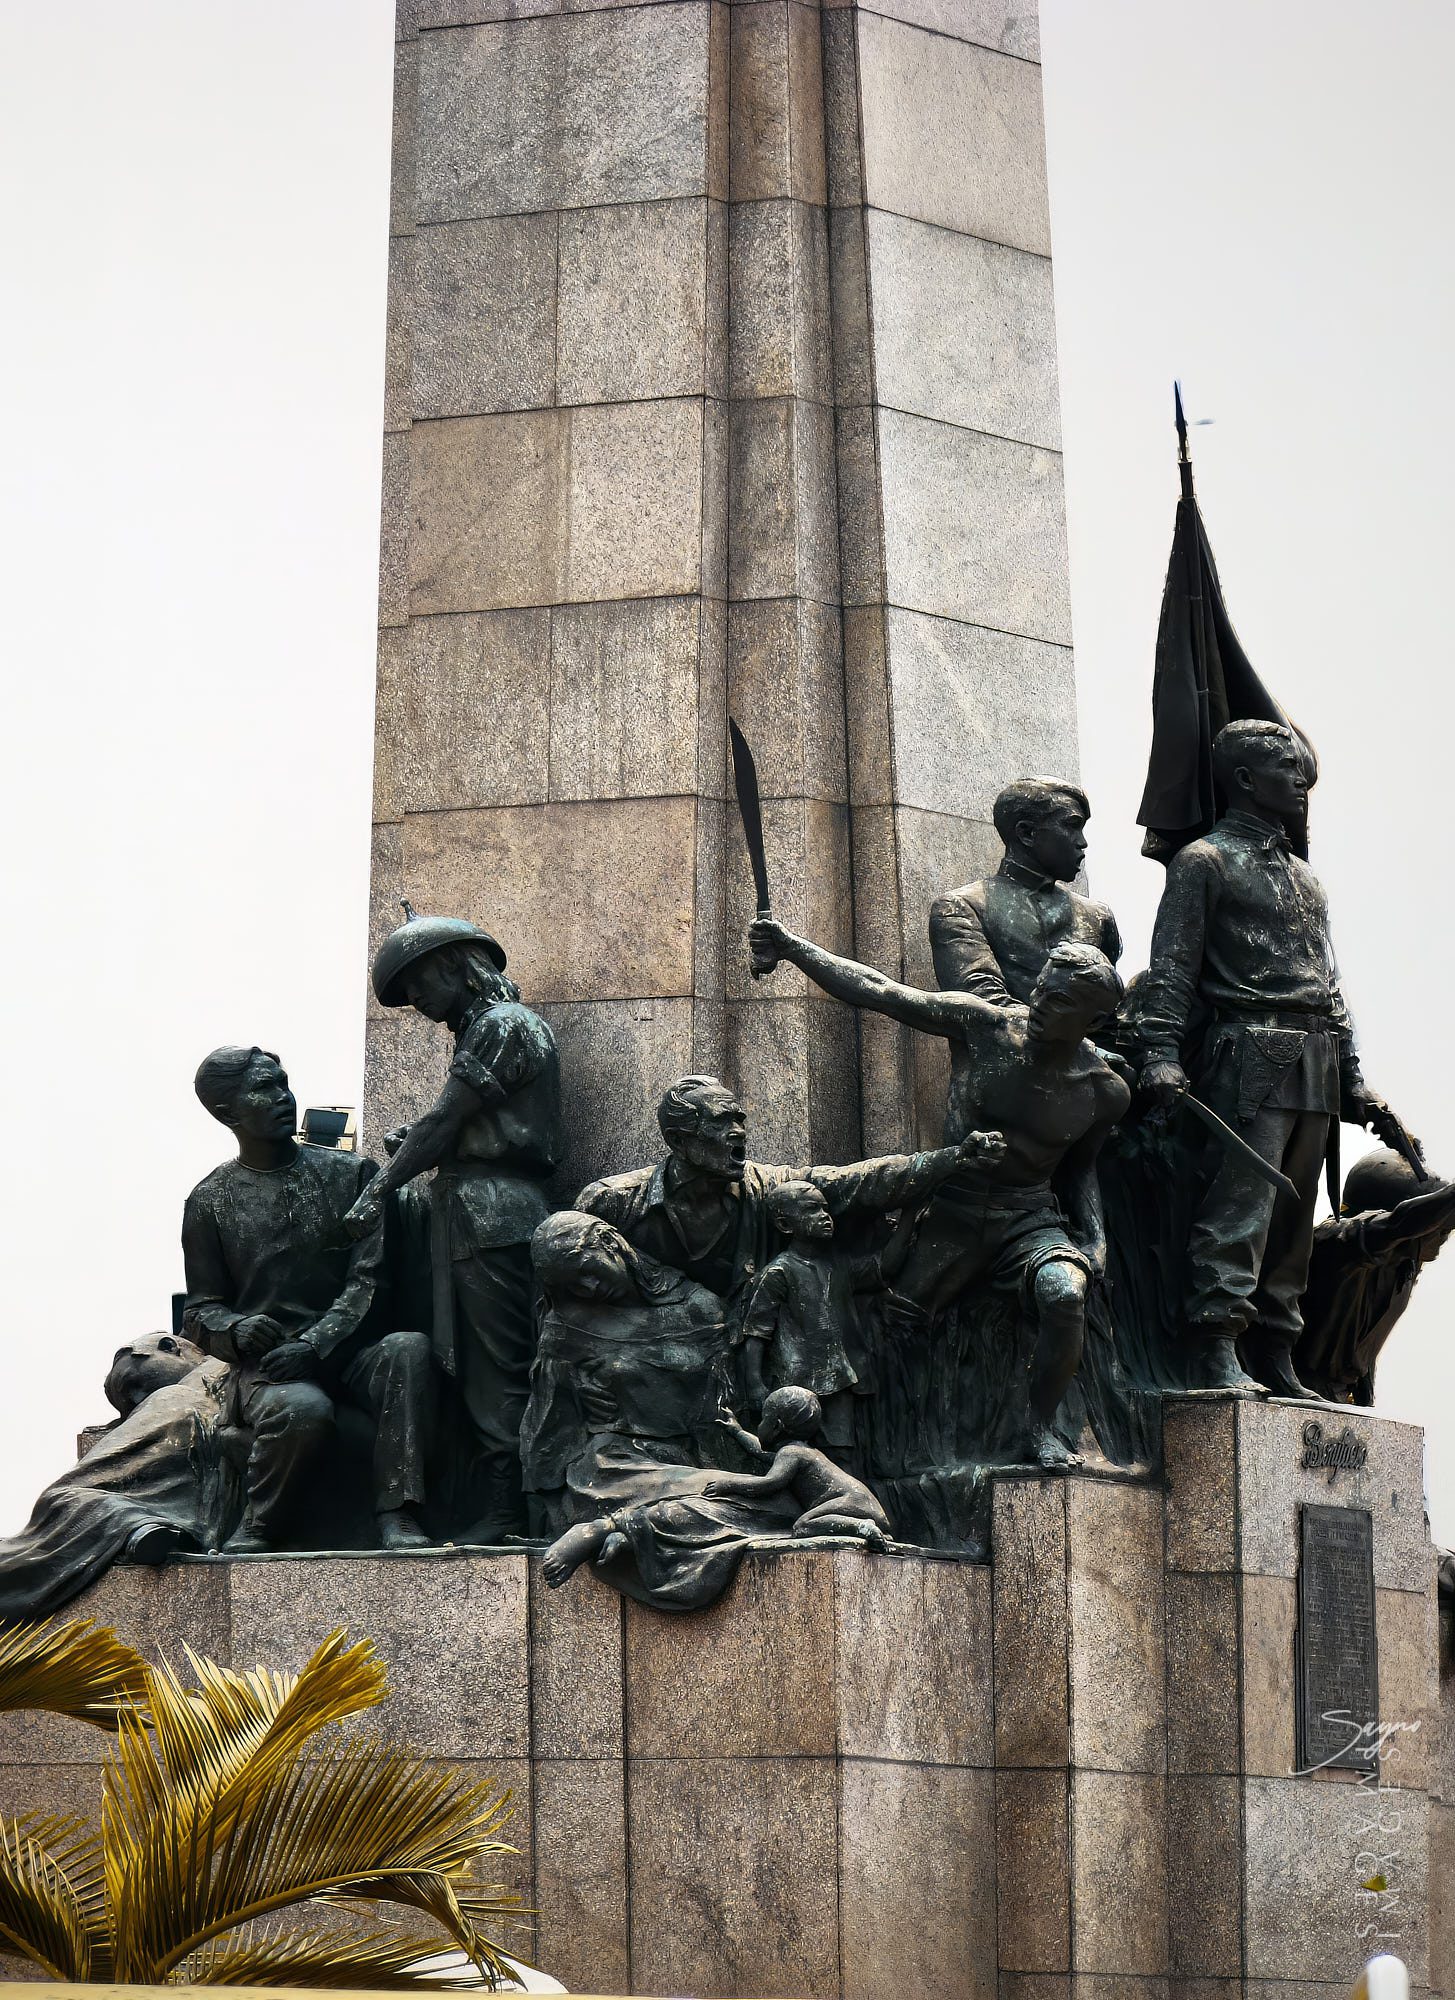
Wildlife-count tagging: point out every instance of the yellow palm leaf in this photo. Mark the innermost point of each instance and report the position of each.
(335, 1958)
(373, 1820)
(74, 1848)
(221, 1810)
(210, 1748)
(40, 1914)
(79, 1669)
(231, 1722)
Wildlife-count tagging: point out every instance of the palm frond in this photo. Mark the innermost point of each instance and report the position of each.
(74, 1846)
(232, 1720)
(211, 1748)
(306, 1829)
(470, 1921)
(79, 1669)
(218, 1814)
(40, 1915)
(322, 1957)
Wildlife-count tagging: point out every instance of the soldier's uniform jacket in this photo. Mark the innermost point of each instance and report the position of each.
(506, 1055)
(1242, 987)
(992, 938)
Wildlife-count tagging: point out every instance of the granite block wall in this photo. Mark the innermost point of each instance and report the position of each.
(791, 1793)
(721, 377)
(1269, 1865)
(1068, 1774)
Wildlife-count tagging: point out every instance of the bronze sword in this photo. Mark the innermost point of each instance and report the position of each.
(1239, 1147)
(750, 810)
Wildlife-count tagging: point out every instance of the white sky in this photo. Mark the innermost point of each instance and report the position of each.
(1253, 196)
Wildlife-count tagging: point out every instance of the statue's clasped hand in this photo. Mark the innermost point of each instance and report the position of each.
(1164, 1083)
(256, 1336)
(294, 1361)
(766, 940)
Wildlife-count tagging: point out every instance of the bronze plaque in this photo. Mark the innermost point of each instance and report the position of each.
(1337, 1665)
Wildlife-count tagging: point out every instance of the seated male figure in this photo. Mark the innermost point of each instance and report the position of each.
(275, 1286)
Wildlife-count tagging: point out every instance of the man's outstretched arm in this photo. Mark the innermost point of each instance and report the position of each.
(861, 986)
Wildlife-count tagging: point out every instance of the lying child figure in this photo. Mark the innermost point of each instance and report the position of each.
(833, 1501)
(688, 1549)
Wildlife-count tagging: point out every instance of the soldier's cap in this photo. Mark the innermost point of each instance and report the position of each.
(415, 938)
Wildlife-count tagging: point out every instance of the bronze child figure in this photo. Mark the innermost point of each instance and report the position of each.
(800, 1327)
(832, 1501)
(681, 1550)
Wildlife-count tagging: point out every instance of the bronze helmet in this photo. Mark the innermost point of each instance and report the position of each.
(414, 938)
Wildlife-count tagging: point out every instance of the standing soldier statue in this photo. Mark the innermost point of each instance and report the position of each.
(1242, 1004)
(493, 1136)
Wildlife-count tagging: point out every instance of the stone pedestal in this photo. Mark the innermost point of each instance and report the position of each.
(1265, 1867)
(1065, 1775)
(721, 377)
(789, 1794)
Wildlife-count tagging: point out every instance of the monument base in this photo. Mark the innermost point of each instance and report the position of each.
(1070, 1774)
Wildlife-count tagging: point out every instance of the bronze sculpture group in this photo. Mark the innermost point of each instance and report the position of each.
(708, 1350)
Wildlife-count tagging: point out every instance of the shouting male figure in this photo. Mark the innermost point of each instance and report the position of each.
(706, 1210)
(1030, 1074)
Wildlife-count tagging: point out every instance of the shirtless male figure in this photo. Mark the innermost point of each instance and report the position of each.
(1031, 1074)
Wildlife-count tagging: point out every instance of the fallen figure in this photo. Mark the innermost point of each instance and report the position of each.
(680, 1552)
(164, 1479)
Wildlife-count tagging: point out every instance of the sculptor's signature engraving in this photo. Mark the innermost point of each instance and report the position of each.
(1344, 1453)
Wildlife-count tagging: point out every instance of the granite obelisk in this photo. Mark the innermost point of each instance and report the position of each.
(721, 378)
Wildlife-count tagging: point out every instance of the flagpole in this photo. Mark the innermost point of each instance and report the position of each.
(1194, 551)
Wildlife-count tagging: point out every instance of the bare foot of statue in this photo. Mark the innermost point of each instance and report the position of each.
(578, 1545)
(398, 1529)
(1050, 1452)
(845, 1527)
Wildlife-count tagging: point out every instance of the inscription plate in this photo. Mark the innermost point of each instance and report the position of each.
(1337, 1664)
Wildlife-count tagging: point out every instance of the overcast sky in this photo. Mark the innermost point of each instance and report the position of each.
(1253, 196)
